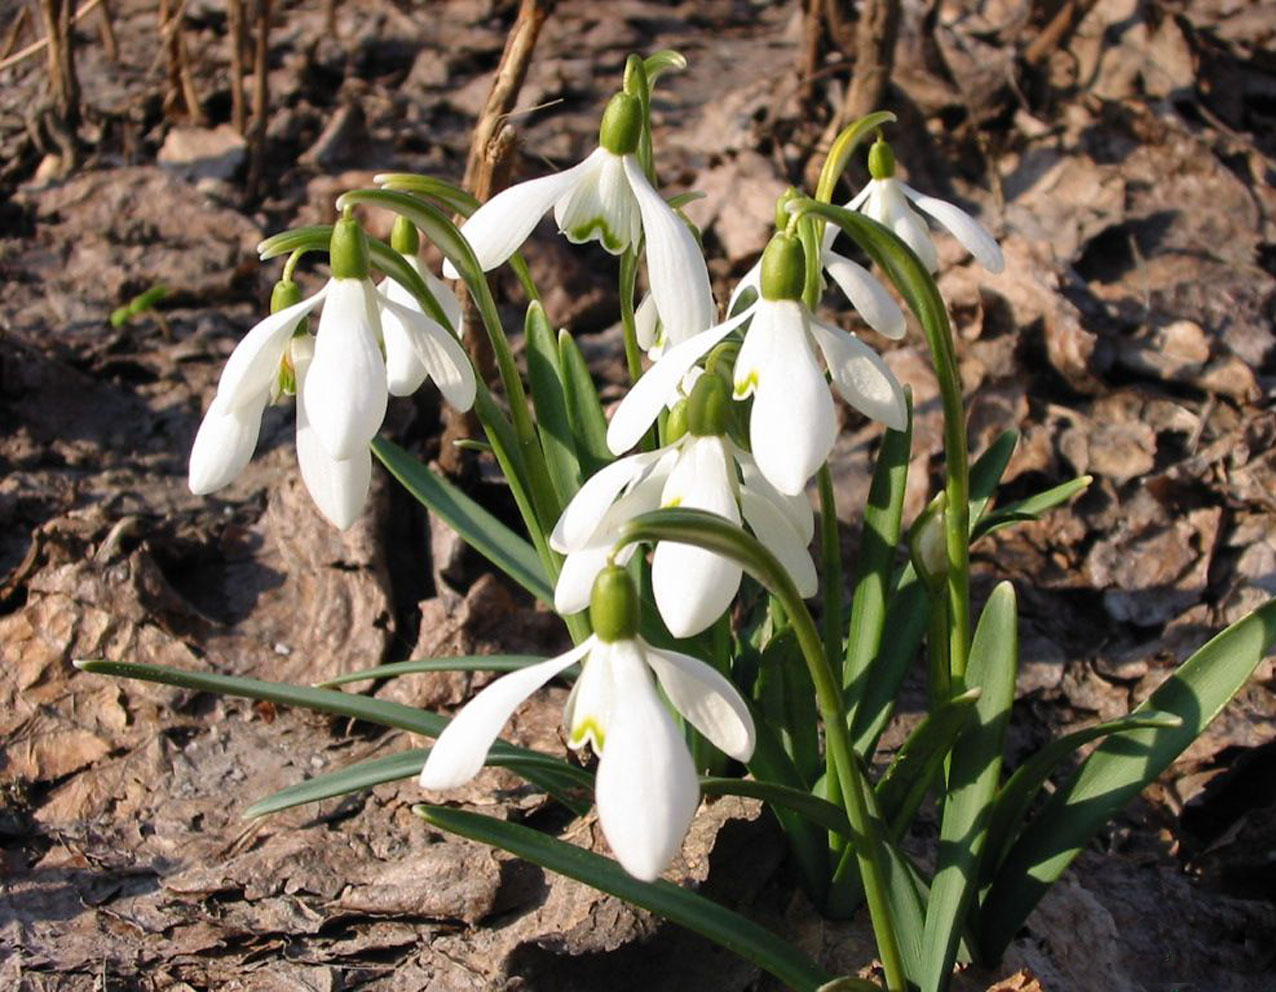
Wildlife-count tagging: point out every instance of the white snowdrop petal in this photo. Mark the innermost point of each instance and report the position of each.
(462, 748)
(860, 375)
(868, 296)
(253, 365)
(795, 507)
(447, 300)
(592, 700)
(693, 587)
(224, 444)
(751, 280)
(346, 389)
(793, 424)
(647, 789)
(339, 488)
(755, 353)
(581, 215)
(404, 371)
(972, 235)
(639, 409)
(581, 517)
(576, 578)
(676, 270)
(707, 699)
(436, 351)
(770, 525)
(646, 323)
(498, 228)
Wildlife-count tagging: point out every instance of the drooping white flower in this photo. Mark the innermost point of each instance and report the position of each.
(339, 376)
(704, 470)
(793, 423)
(606, 198)
(646, 789)
(890, 202)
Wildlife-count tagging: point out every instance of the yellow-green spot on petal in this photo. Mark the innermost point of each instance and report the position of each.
(587, 730)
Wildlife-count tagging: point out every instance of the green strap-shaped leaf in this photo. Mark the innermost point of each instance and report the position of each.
(678, 905)
(416, 666)
(549, 399)
(558, 778)
(584, 411)
(786, 698)
(986, 471)
(902, 787)
(1118, 770)
(1031, 508)
(476, 526)
(974, 769)
(352, 778)
(1021, 789)
(879, 539)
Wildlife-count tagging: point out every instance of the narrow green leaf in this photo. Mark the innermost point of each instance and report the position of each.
(1031, 508)
(1118, 770)
(678, 905)
(986, 471)
(476, 526)
(786, 697)
(973, 773)
(902, 787)
(879, 539)
(906, 618)
(560, 779)
(662, 61)
(549, 399)
(353, 778)
(1016, 796)
(584, 410)
(813, 808)
(415, 666)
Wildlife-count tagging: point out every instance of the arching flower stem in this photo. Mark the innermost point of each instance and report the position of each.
(713, 533)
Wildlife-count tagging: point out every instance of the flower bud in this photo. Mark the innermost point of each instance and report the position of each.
(676, 423)
(709, 407)
(783, 268)
(348, 250)
(404, 237)
(613, 605)
(928, 544)
(881, 160)
(622, 125)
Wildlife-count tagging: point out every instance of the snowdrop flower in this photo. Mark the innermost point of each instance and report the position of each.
(606, 198)
(868, 296)
(417, 347)
(647, 790)
(339, 377)
(701, 470)
(890, 202)
(793, 423)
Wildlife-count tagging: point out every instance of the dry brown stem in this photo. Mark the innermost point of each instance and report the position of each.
(257, 140)
(107, 28)
(875, 38)
(14, 33)
(63, 115)
(235, 30)
(1057, 33)
(487, 171)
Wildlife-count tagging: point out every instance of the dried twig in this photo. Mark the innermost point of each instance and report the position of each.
(1057, 33)
(181, 80)
(487, 171)
(38, 46)
(107, 28)
(15, 32)
(235, 30)
(64, 87)
(257, 140)
(875, 39)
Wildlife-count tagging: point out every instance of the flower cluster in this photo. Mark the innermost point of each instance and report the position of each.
(771, 358)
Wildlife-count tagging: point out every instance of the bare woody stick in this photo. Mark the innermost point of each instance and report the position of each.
(15, 33)
(257, 140)
(64, 86)
(235, 37)
(487, 171)
(875, 39)
(107, 27)
(1057, 33)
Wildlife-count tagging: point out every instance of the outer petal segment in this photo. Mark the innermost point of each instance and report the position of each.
(972, 235)
(707, 699)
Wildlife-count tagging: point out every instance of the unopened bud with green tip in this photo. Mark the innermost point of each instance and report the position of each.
(622, 125)
(928, 544)
(404, 237)
(783, 268)
(613, 605)
(881, 160)
(709, 407)
(348, 250)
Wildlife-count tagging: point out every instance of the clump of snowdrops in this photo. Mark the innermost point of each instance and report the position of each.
(675, 539)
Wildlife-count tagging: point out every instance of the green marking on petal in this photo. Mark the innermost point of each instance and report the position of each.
(744, 387)
(587, 730)
(597, 229)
